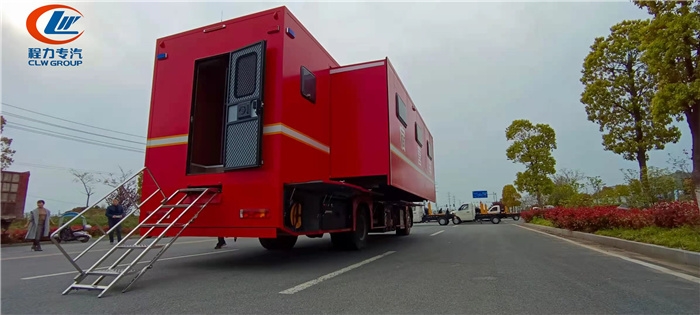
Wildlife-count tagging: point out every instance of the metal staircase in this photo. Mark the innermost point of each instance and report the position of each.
(200, 197)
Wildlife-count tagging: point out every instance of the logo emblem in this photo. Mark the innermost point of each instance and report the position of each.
(61, 23)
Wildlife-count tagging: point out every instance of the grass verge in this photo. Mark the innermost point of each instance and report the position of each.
(686, 237)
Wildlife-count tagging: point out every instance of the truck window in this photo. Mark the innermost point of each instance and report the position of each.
(430, 150)
(401, 111)
(419, 134)
(308, 85)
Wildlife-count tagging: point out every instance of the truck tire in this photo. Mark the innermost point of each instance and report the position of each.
(443, 221)
(516, 218)
(409, 223)
(285, 242)
(495, 220)
(354, 240)
(456, 220)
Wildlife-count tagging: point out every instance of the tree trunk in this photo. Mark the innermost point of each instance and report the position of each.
(694, 124)
(644, 174)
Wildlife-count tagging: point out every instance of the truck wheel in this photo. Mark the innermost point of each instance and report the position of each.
(456, 220)
(280, 243)
(354, 240)
(409, 223)
(516, 218)
(443, 221)
(495, 220)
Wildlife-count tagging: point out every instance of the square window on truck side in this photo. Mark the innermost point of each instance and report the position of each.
(430, 150)
(308, 85)
(401, 111)
(419, 135)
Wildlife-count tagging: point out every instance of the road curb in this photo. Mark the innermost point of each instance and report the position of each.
(673, 255)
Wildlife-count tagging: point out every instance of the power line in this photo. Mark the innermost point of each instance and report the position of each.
(71, 121)
(59, 168)
(73, 129)
(73, 138)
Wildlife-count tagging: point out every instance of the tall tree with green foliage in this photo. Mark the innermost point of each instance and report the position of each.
(532, 145)
(672, 51)
(510, 196)
(5, 149)
(618, 94)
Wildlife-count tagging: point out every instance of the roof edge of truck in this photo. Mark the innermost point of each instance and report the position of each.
(359, 65)
(229, 21)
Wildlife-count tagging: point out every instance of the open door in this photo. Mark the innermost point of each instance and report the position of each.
(242, 145)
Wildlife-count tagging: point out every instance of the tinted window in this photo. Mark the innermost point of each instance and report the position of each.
(419, 134)
(401, 111)
(430, 150)
(308, 85)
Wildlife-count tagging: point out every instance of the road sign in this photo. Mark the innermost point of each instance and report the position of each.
(480, 194)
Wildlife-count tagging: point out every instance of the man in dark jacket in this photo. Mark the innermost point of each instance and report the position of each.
(114, 213)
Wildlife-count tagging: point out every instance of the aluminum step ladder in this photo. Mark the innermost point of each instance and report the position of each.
(203, 197)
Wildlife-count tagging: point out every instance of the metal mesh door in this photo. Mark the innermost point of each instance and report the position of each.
(244, 108)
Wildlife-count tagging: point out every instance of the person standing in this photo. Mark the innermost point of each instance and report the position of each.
(114, 213)
(38, 225)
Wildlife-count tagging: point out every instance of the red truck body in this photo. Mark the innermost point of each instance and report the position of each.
(258, 109)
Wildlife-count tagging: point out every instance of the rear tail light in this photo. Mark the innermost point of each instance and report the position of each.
(254, 213)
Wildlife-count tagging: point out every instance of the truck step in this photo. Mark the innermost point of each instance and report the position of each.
(110, 272)
(139, 246)
(161, 225)
(176, 206)
(87, 287)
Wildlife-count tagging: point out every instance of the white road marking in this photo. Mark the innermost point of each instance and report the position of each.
(92, 250)
(456, 225)
(438, 232)
(124, 265)
(632, 260)
(318, 280)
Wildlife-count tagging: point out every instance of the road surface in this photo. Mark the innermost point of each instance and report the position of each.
(470, 268)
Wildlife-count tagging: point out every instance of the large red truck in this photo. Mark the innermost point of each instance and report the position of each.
(294, 143)
(255, 130)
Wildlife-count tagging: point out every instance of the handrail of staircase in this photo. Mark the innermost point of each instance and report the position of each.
(55, 234)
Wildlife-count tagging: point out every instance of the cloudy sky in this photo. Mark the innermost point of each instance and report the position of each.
(471, 68)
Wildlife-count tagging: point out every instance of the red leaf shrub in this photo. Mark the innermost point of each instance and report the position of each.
(591, 219)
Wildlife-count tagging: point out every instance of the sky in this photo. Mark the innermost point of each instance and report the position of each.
(471, 68)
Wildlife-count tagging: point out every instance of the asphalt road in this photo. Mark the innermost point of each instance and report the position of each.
(470, 268)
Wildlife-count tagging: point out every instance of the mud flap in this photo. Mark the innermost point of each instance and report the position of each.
(244, 108)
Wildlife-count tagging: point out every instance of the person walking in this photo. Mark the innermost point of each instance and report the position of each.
(114, 213)
(38, 225)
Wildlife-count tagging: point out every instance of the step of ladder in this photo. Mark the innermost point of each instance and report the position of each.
(76, 286)
(110, 272)
(140, 246)
(195, 189)
(161, 225)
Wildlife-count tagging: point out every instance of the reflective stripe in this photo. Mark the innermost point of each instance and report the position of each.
(166, 141)
(296, 135)
(267, 130)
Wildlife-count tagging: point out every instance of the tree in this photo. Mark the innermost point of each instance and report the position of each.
(510, 196)
(5, 142)
(532, 146)
(672, 50)
(567, 186)
(129, 194)
(88, 181)
(618, 94)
